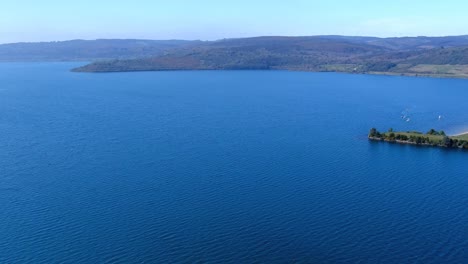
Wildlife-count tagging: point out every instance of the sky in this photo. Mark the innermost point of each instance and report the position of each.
(55, 20)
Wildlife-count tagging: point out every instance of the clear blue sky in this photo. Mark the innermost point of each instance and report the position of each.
(45, 20)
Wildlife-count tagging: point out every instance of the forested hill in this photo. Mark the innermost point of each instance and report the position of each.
(133, 48)
(443, 57)
(426, 56)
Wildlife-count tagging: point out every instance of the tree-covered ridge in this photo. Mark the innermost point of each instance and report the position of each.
(416, 56)
(396, 56)
(431, 138)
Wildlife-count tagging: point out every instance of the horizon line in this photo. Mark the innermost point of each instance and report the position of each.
(252, 37)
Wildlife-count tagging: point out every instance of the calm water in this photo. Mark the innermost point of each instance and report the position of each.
(227, 167)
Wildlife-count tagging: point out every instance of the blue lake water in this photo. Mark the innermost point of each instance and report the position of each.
(241, 167)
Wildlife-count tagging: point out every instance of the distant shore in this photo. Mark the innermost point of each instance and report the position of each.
(422, 75)
(93, 68)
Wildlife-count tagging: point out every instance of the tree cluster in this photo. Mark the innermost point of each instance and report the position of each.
(435, 132)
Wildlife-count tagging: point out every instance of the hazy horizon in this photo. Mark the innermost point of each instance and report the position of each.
(53, 20)
(260, 36)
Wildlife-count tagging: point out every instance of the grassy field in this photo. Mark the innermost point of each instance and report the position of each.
(416, 134)
(433, 138)
(463, 137)
(440, 70)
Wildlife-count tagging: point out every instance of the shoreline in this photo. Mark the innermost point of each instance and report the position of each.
(406, 142)
(374, 73)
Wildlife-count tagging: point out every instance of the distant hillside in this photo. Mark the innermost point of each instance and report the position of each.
(85, 50)
(426, 56)
(415, 43)
(410, 56)
(252, 53)
(82, 50)
(452, 56)
(443, 62)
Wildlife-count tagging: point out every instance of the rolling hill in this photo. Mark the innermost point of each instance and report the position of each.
(425, 56)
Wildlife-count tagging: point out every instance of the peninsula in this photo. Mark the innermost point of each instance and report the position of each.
(431, 138)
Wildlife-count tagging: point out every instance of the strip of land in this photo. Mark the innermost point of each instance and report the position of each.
(399, 56)
(431, 138)
(409, 56)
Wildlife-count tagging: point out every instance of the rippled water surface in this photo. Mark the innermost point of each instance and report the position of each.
(247, 166)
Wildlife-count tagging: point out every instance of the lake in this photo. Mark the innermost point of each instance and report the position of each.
(227, 166)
